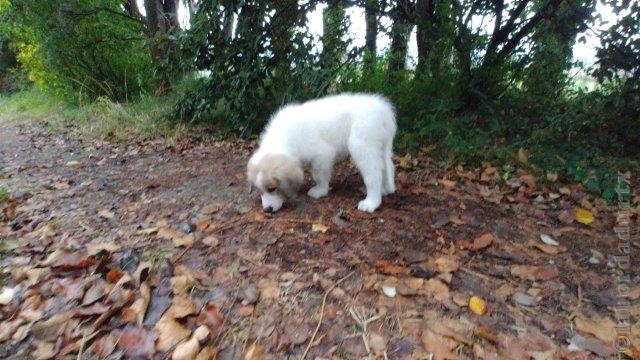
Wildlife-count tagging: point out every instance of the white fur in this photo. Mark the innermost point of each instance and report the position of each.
(321, 132)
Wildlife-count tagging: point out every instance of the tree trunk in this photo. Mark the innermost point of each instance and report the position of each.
(170, 12)
(371, 10)
(426, 34)
(333, 26)
(400, 31)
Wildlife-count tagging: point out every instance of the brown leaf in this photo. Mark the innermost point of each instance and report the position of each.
(210, 316)
(94, 309)
(446, 264)
(96, 292)
(67, 261)
(189, 349)
(441, 347)
(135, 312)
(137, 342)
(548, 249)
(52, 328)
(170, 332)
(567, 216)
(181, 306)
(104, 346)
(482, 242)
(254, 352)
(44, 351)
(106, 214)
(534, 273)
(114, 275)
(207, 353)
(269, 289)
(393, 268)
(599, 327)
(211, 240)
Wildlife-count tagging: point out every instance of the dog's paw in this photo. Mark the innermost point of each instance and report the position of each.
(317, 192)
(368, 205)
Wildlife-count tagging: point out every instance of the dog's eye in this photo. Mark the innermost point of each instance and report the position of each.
(272, 189)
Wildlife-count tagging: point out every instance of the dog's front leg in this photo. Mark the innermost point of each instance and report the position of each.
(321, 172)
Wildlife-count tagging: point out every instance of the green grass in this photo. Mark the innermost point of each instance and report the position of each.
(4, 194)
(143, 119)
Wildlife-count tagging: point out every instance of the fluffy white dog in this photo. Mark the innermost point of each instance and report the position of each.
(319, 133)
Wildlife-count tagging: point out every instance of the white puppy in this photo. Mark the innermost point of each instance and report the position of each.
(321, 132)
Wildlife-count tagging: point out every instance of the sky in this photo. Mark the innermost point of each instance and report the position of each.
(584, 52)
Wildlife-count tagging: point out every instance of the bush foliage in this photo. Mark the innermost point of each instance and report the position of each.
(490, 76)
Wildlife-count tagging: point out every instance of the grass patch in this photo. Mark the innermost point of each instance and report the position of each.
(143, 119)
(4, 194)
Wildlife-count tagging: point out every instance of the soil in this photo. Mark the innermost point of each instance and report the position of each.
(451, 266)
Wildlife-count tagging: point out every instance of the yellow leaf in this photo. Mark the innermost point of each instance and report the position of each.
(477, 305)
(584, 216)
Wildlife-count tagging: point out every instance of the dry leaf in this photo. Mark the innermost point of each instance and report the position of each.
(211, 240)
(210, 316)
(254, 352)
(181, 306)
(189, 349)
(170, 332)
(552, 176)
(44, 351)
(136, 311)
(533, 273)
(321, 228)
(269, 289)
(137, 342)
(477, 305)
(106, 214)
(584, 216)
(481, 242)
(207, 353)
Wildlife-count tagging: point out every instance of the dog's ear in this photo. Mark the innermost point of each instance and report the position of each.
(290, 177)
(252, 172)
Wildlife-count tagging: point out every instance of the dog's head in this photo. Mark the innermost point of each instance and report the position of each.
(278, 177)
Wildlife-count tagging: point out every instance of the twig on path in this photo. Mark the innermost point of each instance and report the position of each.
(324, 301)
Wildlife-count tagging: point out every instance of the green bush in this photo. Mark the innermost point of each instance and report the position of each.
(85, 49)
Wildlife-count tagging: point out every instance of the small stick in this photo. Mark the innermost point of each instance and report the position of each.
(324, 301)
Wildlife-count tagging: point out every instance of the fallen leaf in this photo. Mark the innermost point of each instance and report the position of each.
(477, 305)
(52, 328)
(584, 216)
(533, 273)
(104, 346)
(181, 306)
(135, 312)
(482, 242)
(73, 163)
(446, 264)
(321, 228)
(552, 176)
(407, 162)
(392, 268)
(254, 352)
(137, 342)
(207, 353)
(269, 289)
(189, 349)
(96, 292)
(170, 333)
(211, 240)
(210, 316)
(567, 216)
(114, 275)
(600, 327)
(44, 351)
(147, 231)
(106, 214)
(438, 346)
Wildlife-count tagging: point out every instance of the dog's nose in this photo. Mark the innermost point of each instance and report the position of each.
(268, 209)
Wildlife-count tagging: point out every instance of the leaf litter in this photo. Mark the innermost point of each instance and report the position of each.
(464, 262)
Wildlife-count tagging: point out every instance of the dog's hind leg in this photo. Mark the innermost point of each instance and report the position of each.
(370, 162)
(389, 186)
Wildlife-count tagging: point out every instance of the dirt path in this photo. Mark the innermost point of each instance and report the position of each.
(125, 250)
